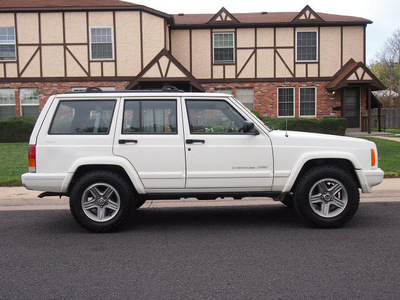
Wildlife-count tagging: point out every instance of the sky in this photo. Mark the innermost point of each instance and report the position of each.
(385, 14)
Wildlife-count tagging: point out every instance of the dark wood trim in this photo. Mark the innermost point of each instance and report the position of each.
(74, 57)
(40, 44)
(341, 46)
(167, 70)
(141, 42)
(236, 54)
(274, 52)
(294, 52)
(115, 46)
(212, 53)
(64, 45)
(369, 107)
(284, 62)
(5, 70)
(88, 43)
(365, 46)
(262, 80)
(319, 51)
(246, 63)
(191, 50)
(16, 46)
(29, 61)
(159, 69)
(255, 51)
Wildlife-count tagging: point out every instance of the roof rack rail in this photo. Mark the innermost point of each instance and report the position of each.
(165, 89)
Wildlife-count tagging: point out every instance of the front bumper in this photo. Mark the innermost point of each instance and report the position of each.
(369, 178)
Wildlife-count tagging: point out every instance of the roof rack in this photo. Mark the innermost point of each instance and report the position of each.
(169, 88)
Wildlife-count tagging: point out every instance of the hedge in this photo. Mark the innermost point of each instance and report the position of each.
(335, 126)
(16, 130)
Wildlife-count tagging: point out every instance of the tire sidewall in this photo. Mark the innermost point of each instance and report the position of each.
(301, 196)
(113, 179)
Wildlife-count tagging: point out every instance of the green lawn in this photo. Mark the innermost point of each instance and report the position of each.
(389, 156)
(394, 131)
(14, 160)
(13, 163)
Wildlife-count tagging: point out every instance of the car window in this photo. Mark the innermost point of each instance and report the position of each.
(83, 117)
(150, 117)
(213, 116)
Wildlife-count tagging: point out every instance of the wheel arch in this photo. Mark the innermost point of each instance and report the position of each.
(343, 163)
(84, 169)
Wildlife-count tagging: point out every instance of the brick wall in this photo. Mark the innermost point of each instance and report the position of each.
(46, 89)
(266, 93)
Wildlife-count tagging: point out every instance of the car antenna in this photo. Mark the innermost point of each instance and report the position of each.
(286, 134)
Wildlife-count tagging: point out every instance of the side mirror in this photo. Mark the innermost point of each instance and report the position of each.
(248, 127)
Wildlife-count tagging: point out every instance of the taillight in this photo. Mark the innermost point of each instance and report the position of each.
(373, 160)
(32, 158)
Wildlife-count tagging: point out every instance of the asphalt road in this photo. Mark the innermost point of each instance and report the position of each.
(230, 252)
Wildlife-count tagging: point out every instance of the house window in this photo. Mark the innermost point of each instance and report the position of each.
(223, 91)
(7, 103)
(306, 49)
(101, 43)
(29, 99)
(308, 101)
(246, 96)
(285, 102)
(224, 48)
(7, 44)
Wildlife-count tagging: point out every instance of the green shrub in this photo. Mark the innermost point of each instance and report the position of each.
(15, 130)
(335, 126)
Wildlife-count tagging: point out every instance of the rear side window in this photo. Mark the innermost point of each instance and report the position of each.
(150, 117)
(92, 117)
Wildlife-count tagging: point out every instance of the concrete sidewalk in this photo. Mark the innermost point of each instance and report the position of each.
(19, 198)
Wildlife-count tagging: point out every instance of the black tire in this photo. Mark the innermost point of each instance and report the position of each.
(326, 196)
(101, 200)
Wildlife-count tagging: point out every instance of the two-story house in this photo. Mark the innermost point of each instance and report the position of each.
(290, 64)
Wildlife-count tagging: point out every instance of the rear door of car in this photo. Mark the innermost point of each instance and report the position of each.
(150, 135)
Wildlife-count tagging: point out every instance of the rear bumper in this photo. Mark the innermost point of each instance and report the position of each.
(369, 178)
(56, 183)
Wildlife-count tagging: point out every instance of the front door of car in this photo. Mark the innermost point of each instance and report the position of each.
(219, 155)
(150, 136)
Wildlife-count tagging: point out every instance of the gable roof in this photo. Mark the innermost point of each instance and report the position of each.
(305, 17)
(165, 67)
(307, 14)
(74, 5)
(223, 16)
(354, 73)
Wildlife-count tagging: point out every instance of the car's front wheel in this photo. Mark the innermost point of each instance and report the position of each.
(326, 196)
(101, 200)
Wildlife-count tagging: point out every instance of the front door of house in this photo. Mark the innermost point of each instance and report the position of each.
(352, 107)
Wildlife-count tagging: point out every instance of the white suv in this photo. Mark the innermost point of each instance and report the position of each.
(111, 151)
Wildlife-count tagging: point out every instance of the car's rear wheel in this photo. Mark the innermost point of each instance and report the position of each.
(326, 196)
(101, 200)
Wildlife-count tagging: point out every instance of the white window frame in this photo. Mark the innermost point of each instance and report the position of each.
(316, 46)
(8, 104)
(112, 43)
(315, 101)
(222, 62)
(8, 43)
(22, 105)
(294, 102)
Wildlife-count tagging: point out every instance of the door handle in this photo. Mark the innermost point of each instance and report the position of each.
(195, 141)
(127, 141)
